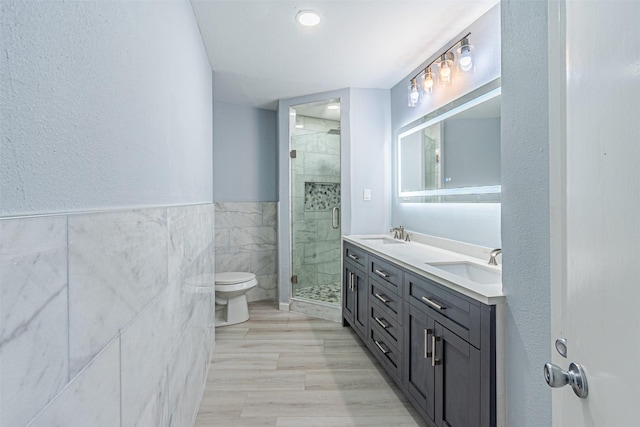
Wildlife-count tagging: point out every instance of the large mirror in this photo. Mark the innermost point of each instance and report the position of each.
(453, 154)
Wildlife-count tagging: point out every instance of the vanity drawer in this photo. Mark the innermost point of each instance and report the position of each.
(383, 270)
(388, 325)
(385, 352)
(356, 255)
(458, 314)
(389, 301)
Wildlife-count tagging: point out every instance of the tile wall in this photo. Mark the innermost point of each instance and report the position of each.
(105, 319)
(316, 190)
(246, 239)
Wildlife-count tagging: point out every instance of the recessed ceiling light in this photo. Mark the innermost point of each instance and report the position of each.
(308, 18)
(333, 107)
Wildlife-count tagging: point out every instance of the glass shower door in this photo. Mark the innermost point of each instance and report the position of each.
(315, 205)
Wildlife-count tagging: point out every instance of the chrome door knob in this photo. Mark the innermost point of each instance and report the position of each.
(575, 377)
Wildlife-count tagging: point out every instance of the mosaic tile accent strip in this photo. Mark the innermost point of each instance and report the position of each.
(321, 196)
(327, 293)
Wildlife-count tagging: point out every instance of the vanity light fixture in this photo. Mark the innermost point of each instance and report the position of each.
(445, 63)
(308, 18)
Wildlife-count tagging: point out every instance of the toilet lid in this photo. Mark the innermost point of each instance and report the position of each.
(232, 277)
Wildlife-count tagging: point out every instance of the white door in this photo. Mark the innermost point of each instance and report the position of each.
(595, 215)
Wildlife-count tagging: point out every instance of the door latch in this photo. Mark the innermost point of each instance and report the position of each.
(575, 377)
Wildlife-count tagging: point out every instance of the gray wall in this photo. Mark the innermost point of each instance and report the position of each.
(244, 154)
(472, 223)
(370, 165)
(104, 104)
(525, 209)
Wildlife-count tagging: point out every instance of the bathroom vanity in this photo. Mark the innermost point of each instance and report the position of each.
(429, 316)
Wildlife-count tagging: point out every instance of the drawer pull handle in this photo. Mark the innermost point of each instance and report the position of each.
(433, 304)
(434, 361)
(381, 322)
(427, 332)
(382, 349)
(353, 257)
(382, 274)
(382, 298)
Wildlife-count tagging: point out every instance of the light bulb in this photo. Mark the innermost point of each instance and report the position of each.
(446, 60)
(427, 81)
(414, 94)
(465, 60)
(445, 71)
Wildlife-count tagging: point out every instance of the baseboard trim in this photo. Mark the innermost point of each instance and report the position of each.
(283, 306)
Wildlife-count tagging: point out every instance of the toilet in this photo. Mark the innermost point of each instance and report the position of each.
(231, 299)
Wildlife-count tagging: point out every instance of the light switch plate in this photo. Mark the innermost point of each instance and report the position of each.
(366, 194)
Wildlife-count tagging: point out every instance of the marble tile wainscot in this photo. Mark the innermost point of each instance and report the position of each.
(99, 323)
(247, 240)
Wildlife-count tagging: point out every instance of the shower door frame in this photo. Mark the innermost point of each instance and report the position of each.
(285, 245)
(301, 176)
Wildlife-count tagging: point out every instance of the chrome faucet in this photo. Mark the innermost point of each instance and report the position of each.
(492, 256)
(398, 232)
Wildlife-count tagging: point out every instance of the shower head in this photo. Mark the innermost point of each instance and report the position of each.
(334, 132)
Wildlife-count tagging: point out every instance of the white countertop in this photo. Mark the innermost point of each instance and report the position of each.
(415, 257)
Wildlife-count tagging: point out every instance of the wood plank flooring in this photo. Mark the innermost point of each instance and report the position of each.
(283, 369)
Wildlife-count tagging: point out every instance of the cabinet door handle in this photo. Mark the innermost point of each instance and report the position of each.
(427, 332)
(382, 274)
(381, 322)
(434, 361)
(382, 349)
(382, 298)
(353, 257)
(433, 304)
(351, 281)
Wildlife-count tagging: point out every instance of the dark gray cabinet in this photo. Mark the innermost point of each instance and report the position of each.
(355, 290)
(438, 345)
(419, 374)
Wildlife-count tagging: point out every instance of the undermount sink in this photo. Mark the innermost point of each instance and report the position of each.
(470, 271)
(383, 240)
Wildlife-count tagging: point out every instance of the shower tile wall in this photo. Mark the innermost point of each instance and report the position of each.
(247, 240)
(99, 324)
(316, 254)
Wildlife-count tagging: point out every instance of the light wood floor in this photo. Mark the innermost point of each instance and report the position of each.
(288, 370)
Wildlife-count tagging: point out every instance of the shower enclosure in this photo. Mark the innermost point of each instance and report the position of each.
(315, 206)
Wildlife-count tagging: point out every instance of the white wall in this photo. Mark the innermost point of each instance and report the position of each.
(104, 104)
(245, 154)
(525, 209)
(472, 223)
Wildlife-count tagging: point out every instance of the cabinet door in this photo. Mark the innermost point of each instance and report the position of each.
(348, 292)
(457, 380)
(418, 372)
(361, 309)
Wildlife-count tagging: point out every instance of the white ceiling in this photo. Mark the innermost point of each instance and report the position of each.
(259, 53)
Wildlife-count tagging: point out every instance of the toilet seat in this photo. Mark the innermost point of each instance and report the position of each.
(233, 277)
